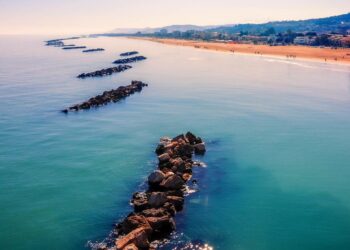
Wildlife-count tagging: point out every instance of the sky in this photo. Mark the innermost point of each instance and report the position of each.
(94, 16)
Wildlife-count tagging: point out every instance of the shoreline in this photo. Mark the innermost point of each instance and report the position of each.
(327, 55)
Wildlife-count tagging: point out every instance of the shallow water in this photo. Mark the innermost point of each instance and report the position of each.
(278, 136)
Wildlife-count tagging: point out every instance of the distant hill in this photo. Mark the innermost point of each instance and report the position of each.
(339, 23)
(170, 28)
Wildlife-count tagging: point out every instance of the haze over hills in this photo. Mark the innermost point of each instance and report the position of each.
(170, 28)
(338, 23)
(328, 24)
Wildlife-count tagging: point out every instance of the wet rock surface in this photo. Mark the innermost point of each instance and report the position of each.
(129, 53)
(130, 60)
(105, 72)
(154, 209)
(106, 97)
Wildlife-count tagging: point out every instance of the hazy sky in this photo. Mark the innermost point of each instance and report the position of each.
(86, 16)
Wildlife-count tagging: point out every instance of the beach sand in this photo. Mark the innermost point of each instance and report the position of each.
(340, 55)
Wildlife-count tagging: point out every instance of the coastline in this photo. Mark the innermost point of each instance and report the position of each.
(327, 55)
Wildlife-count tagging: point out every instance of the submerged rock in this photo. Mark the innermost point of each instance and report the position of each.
(156, 178)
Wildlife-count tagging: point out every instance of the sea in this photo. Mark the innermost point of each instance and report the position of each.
(277, 130)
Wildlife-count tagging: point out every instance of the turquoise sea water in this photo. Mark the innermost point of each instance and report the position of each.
(278, 136)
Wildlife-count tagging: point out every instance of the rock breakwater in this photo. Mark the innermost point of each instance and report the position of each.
(93, 50)
(105, 72)
(75, 47)
(106, 97)
(155, 208)
(130, 60)
(130, 53)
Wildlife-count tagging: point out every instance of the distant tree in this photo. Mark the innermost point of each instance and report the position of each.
(323, 40)
(269, 31)
(311, 33)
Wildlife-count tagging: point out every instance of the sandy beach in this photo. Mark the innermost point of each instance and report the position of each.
(340, 55)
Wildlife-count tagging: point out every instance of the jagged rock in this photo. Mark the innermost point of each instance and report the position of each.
(164, 157)
(170, 208)
(157, 199)
(135, 221)
(164, 140)
(199, 148)
(154, 212)
(173, 182)
(163, 225)
(191, 138)
(178, 202)
(177, 161)
(139, 201)
(156, 178)
(184, 150)
(131, 247)
(160, 149)
(179, 193)
(177, 138)
(138, 237)
(186, 177)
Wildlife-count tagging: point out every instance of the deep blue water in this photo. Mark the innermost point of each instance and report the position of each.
(278, 136)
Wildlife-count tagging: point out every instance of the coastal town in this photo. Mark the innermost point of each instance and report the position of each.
(269, 36)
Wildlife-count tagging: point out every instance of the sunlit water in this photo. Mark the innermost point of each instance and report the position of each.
(278, 134)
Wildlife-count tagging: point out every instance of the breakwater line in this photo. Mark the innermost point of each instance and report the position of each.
(155, 209)
(106, 97)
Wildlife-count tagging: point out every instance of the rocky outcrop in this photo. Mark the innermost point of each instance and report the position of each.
(155, 208)
(130, 53)
(130, 60)
(106, 97)
(93, 50)
(75, 47)
(105, 72)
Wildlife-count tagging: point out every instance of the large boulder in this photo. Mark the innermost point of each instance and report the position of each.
(179, 137)
(191, 138)
(162, 225)
(177, 201)
(138, 237)
(177, 161)
(156, 178)
(131, 247)
(184, 150)
(164, 157)
(173, 182)
(157, 199)
(170, 208)
(164, 140)
(155, 212)
(135, 221)
(199, 148)
(160, 149)
(186, 177)
(139, 201)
